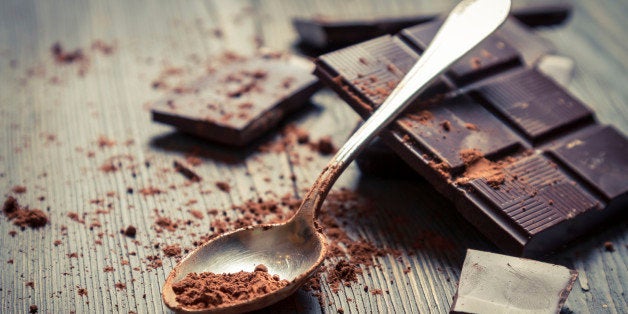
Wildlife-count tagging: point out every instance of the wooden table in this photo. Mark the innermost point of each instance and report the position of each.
(55, 122)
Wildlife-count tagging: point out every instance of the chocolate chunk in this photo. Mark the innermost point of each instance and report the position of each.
(327, 32)
(522, 159)
(239, 101)
(534, 104)
(495, 283)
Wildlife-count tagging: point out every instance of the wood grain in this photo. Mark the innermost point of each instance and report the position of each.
(52, 118)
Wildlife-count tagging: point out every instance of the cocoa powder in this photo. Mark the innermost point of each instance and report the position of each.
(208, 290)
(23, 217)
(479, 167)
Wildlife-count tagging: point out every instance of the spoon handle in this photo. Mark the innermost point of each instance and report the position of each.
(466, 26)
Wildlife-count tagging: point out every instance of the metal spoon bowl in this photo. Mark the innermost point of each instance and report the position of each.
(294, 249)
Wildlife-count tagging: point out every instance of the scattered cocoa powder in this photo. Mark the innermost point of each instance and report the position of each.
(208, 290)
(345, 272)
(423, 116)
(479, 167)
(22, 216)
(173, 250)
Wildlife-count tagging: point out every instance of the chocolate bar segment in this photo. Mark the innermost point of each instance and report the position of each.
(239, 101)
(534, 104)
(491, 55)
(600, 157)
(519, 156)
(445, 128)
(382, 62)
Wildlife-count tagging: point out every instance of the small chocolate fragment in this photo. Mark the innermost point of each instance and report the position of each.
(495, 283)
(181, 168)
(241, 100)
(130, 231)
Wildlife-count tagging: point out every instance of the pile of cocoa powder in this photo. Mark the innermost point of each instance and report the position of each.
(23, 216)
(208, 290)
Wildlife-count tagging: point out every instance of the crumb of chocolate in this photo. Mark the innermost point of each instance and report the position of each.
(471, 126)
(154, 261)
(166, 223)
(186, 171)
(57, 242)
(108, 269)
(325, 146)
(609, 247)
(22, 216)
(62, 56)
(19, 189)
(104, 141)
(223, 186)
(446, 125)
(148, 191)
(377, 292)
(208, 290)
(196, 213)
(30, 284)
(82, 292)
(173, 250)
(120, 286)
(33, 309)
(130, 231)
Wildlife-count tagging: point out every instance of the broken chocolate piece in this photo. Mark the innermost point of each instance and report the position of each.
(241, 100)
(495, 283)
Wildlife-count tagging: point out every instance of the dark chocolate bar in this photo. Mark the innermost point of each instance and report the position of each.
(241, 100)
(521, 158)
(326, 33)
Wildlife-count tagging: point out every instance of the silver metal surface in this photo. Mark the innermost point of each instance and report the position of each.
(295, 249)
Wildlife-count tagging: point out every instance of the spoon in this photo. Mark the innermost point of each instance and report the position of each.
(294, 249)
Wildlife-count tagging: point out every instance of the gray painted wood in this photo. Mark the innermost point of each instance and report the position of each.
(110, 101)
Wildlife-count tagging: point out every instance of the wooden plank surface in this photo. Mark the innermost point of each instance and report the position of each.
(52, 117)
